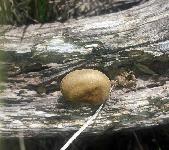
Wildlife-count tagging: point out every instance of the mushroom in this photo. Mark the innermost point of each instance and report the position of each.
(86, 86)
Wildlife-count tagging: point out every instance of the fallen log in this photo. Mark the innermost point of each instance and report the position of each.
(133, 42)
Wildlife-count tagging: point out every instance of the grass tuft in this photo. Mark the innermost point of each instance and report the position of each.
(19, 12)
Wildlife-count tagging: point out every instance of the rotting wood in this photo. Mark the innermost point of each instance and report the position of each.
(133, 40)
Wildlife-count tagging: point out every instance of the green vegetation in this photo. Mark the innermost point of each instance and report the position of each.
(18, 12)
(23, 11)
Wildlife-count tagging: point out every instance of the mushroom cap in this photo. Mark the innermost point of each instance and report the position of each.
(86, 86)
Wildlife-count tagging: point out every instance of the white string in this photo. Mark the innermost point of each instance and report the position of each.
(21, 141)
(76, 134)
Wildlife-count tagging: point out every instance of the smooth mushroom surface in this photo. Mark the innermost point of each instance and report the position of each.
(86, 86)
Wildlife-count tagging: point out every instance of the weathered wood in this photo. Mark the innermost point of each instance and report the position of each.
(39, 56)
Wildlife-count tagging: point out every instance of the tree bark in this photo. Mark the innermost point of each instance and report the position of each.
(38, 56)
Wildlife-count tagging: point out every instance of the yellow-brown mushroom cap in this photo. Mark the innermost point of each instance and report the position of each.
(86, 86)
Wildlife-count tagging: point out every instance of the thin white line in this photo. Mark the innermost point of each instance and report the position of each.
(75, 135)
(21, 141)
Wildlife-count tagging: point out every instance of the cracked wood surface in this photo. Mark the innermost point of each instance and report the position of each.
(38, 56)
